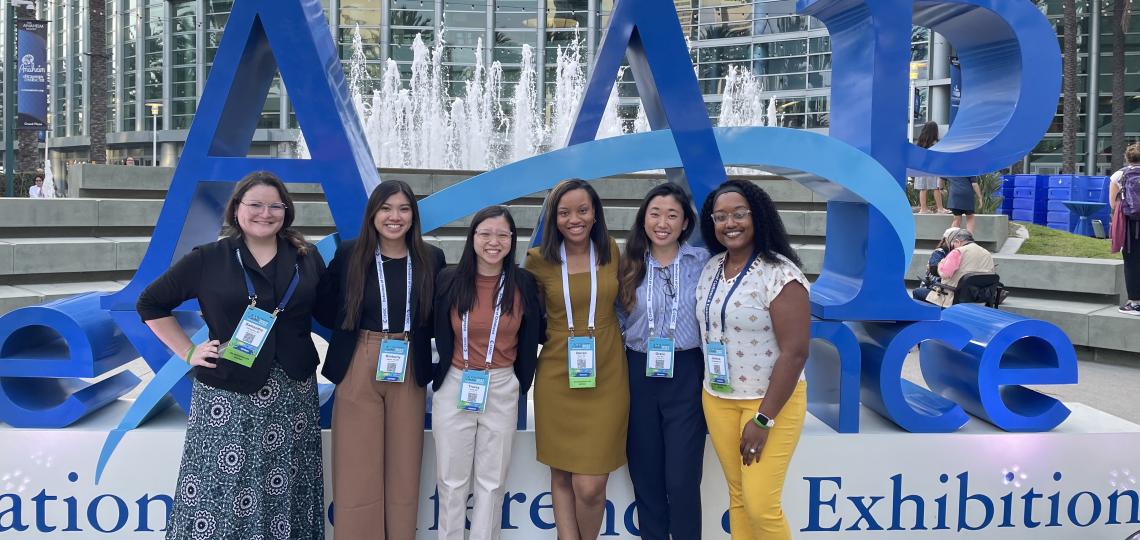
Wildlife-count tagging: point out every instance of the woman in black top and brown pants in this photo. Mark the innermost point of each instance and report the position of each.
(252, 465)
(378, 414)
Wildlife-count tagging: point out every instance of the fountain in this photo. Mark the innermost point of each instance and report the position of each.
(417, 125)
(771, 118)
(740, 103)
(524, 130)
(49, 178)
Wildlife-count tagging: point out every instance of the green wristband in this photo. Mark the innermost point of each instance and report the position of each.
(189, 353)
(761, 426)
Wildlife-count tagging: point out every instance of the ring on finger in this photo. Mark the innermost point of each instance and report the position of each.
(751, 450)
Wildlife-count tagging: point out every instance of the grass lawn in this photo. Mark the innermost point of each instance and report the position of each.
(1046, 241)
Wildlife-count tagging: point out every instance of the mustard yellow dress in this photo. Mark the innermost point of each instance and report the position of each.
(580, 430)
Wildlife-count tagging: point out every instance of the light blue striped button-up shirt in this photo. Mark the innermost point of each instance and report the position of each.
(636, 324)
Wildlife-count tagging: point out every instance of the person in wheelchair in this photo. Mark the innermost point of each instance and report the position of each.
(927, 282)
(966, 274)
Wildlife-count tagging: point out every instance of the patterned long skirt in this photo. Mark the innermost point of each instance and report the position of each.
(251, 468)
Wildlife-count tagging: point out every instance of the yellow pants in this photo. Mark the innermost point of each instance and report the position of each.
(754, 491)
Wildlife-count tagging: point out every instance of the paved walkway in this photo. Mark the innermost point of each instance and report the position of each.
(1114, 389)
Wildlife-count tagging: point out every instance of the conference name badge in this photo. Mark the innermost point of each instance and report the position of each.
(249, 336)
(393, 362)
(473, 390)
(716, 365)
(582, 366)
(659, 358)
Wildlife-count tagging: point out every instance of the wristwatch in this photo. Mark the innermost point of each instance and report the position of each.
(763, 421)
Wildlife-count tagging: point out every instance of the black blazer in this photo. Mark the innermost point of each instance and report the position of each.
(211, 274)
(330, 312)
(530, 331)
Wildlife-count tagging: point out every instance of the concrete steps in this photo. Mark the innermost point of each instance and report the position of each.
(55, 248)
(16, 296)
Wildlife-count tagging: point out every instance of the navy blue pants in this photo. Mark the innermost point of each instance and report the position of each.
(666, 446)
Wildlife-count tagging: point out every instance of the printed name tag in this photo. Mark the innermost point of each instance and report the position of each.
(473, 390)
(249, 336)
(716, 364)
(659, 358)
(393, 362)
(582, 367)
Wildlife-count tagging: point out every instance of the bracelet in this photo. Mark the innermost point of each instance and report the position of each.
(757, 422)
(189, 353)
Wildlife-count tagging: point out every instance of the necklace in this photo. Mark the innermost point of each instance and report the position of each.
(734, 270)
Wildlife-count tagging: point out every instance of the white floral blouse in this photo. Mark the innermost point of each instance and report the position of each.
(749, 339)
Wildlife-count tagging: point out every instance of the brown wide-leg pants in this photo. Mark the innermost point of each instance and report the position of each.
(377, 442)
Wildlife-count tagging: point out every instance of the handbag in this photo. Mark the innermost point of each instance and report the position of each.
(1118, 230)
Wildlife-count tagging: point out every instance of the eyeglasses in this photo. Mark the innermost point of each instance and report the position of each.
(736, 215)
(259, 207)
(485, 235)
(665, 275)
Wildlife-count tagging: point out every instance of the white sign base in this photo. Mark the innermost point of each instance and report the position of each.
(1079, 481)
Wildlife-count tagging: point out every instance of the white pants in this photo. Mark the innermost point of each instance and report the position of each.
(465, 439)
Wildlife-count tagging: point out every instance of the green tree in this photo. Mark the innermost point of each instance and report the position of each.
(98, 81)
(1069, 104)
(1121, 13)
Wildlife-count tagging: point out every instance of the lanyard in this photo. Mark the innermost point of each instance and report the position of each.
(593, 291)
(494, 326)
(253, 294)
(675, 270)
(712, 291)
(384, 295)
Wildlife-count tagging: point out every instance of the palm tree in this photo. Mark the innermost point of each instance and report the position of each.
(1069, 104)
(1121, 13)
(98, 81)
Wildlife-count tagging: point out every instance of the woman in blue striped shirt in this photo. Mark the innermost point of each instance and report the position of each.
(666, 438)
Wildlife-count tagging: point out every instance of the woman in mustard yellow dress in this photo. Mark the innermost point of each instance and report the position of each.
(581, 414)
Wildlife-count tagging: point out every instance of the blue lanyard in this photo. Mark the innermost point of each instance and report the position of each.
(253, 294)
(712, 292)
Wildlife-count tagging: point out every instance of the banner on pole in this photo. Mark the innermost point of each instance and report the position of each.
(31, 87)
(955, 86)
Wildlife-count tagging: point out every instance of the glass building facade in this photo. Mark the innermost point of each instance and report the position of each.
(1046, 158)
(160, 53)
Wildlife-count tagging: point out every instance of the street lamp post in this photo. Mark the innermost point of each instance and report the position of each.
(154, 106)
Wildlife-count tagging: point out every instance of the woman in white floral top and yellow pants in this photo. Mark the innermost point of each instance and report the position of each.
(752, 307)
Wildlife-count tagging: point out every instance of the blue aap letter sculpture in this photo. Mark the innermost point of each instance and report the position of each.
(973, 359)
(216, 147)
(86, 330)
(667, 85)
(1011, 78)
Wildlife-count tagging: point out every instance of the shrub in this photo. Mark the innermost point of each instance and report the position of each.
(990, 186)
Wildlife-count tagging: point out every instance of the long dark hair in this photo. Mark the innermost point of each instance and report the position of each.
(928, 136)
(769, 237)
(461, 290)
(265, 178)
(552, 237)
(631, 268)
(362, 260)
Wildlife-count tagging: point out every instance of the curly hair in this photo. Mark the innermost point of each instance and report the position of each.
(1132, 153)
(769, 237)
